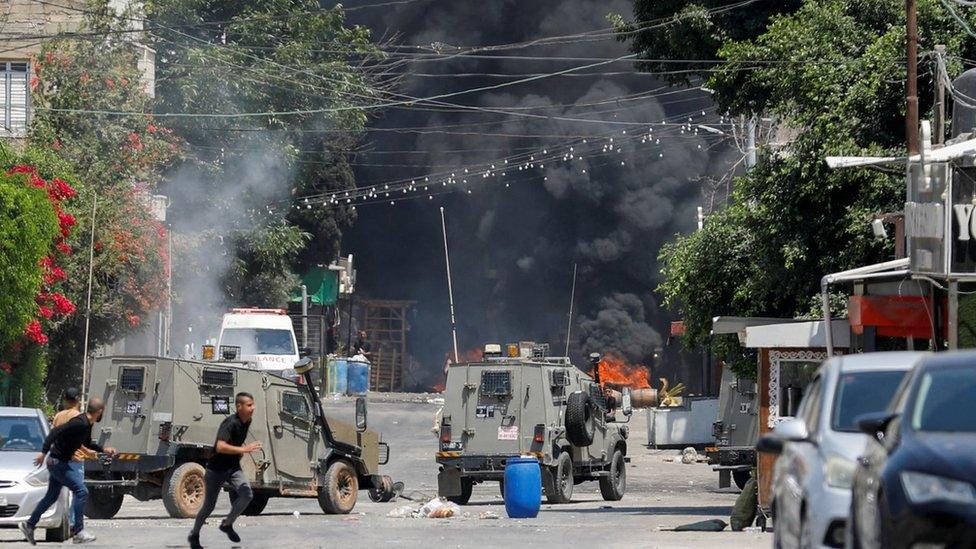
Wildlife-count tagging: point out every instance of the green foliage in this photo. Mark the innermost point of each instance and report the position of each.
(28, 226)
(261, 276)
(27, 380)
(831, 73)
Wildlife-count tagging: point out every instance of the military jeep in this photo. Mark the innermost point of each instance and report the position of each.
(162, 415)
(524, 402)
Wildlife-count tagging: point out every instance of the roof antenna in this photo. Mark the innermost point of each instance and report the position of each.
(572, 298)
(450, 289)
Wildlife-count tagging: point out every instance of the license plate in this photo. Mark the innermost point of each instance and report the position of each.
(508, 433)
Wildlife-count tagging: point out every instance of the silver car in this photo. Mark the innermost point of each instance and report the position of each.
(22, 484)
(811, 491)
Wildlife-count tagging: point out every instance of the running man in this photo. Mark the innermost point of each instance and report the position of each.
(225, 466)
(60, 446)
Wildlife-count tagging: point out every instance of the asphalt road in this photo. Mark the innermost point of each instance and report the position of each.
(660, 495)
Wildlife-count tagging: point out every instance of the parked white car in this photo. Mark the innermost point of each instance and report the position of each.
(818, 449)
(22, 484)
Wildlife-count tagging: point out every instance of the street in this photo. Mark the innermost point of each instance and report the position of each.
(660, 495)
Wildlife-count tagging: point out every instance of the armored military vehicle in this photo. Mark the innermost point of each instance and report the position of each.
(524, 402)
(162, 415)
(736, 429)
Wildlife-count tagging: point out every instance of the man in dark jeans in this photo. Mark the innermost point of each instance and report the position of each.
(225, 466)
(60, 445)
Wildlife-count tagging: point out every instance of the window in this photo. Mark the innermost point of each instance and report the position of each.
(294, 404)
(132, 378)
(860, 393)
(21, 434)
(259, 341)
(219, 378)
(945, 401)
(14, 97)
(810, 407)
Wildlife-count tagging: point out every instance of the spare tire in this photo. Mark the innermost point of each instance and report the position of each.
(580, 423)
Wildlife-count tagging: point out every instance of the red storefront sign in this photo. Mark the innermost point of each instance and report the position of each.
(892, 315)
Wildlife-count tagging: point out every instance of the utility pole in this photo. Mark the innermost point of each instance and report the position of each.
(940, 114)
(911, 84)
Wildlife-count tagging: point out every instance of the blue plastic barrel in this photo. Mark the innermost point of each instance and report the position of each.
(523, 487)
(358, 377)
(337, 378)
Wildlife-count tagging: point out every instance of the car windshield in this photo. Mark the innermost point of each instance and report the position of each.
(259, 341)
(861, 393)
(21, 434)
(945, 401)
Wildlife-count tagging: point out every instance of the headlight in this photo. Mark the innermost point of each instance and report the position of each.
(923, 488)
(839, 472)
(37, 477)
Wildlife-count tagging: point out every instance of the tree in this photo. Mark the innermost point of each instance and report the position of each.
(114, 158)
(832, 73)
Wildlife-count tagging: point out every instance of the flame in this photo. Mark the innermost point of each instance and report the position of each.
(471, 355)
(615, 371)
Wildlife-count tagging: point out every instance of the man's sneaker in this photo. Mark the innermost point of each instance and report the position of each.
(194, 540)
(28, 532)
(83, 537)
(231, 534)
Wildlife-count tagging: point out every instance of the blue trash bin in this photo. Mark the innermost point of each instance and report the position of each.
(337, 378)
(523, 487)
(358, 377)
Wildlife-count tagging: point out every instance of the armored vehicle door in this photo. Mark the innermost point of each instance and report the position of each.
(492, 409)
(291, 428)
(128, 391)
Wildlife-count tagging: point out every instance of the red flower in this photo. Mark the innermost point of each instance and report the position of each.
(21, 168)
(34, 333)
(34, 83)
(62, 190)
(133, 320)
(66, 221)
(45, 311)
(84, 78)
(56, 145)
(46, 263)
(135, 141)
(63, 248)
(151, 128)
(62, 305)
(109, 83)
(56, 274)
(49, 57)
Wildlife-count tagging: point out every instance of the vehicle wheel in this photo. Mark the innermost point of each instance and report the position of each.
(612, 487)
(466, 487)
(60, 532)
(580, 423)
(102, 504)
(740, 477)
(183, 490)
(384, 492)
(257, 505)
(561, 488)
(337, 496)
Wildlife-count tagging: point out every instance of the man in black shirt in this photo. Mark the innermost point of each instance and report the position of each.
(362, 345)
(60, 445)
(225, 466)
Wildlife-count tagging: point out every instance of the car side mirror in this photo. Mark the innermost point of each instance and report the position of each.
(304, 352)
(792, 430)
(874, 424)
(626, 407)
(360, 414)
(770, 444)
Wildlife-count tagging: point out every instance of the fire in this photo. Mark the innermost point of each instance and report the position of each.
(471, 355)
(615, 371)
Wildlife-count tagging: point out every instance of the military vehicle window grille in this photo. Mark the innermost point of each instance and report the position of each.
(596, 393)
(294, 404)
(560, 378)
(496, 383)
(132, 378)
(217, 378)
